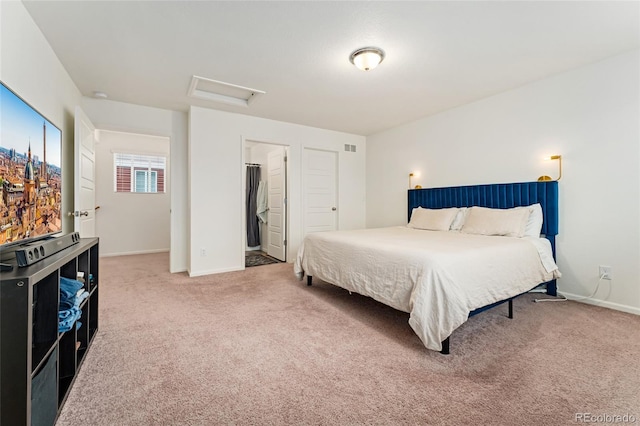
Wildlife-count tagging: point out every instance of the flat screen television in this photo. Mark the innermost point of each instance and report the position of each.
(30, 172)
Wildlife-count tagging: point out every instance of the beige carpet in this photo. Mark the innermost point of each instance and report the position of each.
(259, 347)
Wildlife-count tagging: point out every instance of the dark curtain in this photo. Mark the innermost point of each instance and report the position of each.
(253, 228)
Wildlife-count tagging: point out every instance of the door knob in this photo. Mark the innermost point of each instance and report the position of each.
(77, 213)
(333, 209)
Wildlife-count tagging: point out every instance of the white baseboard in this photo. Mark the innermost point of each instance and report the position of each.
(214, 271)
(131, 253)
(603, 303)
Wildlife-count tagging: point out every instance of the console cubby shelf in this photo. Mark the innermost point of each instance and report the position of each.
(38, 365)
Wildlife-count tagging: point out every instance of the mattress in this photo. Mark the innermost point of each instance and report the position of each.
(438, 277)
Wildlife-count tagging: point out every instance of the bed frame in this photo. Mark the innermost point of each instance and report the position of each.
(501, 196)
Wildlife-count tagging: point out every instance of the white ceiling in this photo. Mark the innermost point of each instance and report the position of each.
(439, 54)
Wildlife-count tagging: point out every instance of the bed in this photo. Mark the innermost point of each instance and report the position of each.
(439, 274)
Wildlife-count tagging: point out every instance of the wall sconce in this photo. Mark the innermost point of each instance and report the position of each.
(411, 175)
(548, 178)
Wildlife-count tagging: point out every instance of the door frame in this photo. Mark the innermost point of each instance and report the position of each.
(287, 226)
(173, 253)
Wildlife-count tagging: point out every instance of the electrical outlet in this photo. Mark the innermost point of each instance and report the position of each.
(203, 252)
(606, 272)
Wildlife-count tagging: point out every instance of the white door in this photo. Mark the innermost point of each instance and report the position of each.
(277, 192)
(84, 198)
(320, 190)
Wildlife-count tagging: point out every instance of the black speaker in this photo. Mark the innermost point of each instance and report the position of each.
(32, 253)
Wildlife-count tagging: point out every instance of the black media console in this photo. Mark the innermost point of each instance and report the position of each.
(38, 365)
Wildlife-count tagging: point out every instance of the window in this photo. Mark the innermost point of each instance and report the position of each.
(146, 181)
(139, 173)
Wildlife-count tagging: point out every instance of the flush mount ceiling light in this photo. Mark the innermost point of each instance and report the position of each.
(367, 58)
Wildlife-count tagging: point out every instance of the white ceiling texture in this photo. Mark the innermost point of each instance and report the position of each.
(439, 54)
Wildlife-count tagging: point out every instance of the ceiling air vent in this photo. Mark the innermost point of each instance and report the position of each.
(219, 91)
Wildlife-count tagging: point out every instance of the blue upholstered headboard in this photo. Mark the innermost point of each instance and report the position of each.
(500, 195)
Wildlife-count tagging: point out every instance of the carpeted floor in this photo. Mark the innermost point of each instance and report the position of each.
(258, 347)
(258, 258)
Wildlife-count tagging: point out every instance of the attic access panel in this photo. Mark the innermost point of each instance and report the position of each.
(219, 91)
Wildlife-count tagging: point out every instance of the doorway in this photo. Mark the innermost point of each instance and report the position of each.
(133, 191)
(266, 209)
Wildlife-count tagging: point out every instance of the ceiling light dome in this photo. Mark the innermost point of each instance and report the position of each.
(367, 58)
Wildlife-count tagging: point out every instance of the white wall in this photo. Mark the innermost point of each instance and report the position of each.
(127, 222)
(216, 182)
(589, 115)
(30, 68)
(119, 116)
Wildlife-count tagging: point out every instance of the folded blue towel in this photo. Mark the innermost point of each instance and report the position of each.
(69, 288)
(66, 319)
(66, 304)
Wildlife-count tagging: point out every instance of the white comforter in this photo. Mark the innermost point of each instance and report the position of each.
(438, 277)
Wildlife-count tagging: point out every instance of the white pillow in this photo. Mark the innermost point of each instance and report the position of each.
(506, 222)
(534, 223)
(458, 221)
(432, 219)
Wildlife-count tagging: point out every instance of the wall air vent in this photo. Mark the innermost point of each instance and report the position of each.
(219, 91)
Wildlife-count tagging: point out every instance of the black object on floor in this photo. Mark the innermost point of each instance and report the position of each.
(258, 258)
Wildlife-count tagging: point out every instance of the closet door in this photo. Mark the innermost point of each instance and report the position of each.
(320, 183)
(276, 190)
